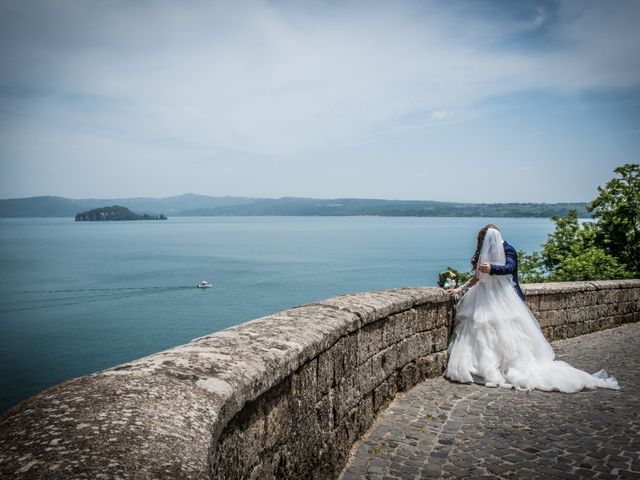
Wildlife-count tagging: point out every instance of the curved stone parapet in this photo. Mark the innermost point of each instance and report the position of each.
(284, 396)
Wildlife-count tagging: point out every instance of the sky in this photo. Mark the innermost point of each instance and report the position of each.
(473, 101)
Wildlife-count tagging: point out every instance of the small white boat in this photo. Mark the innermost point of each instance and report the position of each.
(204, 284)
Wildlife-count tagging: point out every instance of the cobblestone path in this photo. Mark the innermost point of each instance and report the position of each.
(442, 429)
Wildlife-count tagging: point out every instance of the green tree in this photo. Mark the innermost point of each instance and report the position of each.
(617, 214)
(606, 248)
(593, 263)
(571, 253)
(569, 238)
(531, 267)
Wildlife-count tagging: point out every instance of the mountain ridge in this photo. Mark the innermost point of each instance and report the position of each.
(189, 204)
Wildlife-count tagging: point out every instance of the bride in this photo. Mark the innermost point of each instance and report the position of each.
(496, 339)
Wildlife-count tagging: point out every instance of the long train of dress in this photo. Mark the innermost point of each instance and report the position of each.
(498, 342)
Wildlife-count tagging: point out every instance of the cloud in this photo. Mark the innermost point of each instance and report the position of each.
(442, 114)
(284, 78)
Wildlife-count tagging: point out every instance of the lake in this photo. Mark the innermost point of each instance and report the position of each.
(76, 298)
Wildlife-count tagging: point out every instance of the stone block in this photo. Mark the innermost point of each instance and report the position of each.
(405, 324)
(611, 296)
(553, 317)
(326, 362)
(425, 343)
(533, 302)
(602, 323)
(591, 298)
(266, 468)
(551, 301)
(368, 374)
(441, 362)
(601, 310)
(560, 332)
(347, 432)
(345, 357)
(324, 413)
(544, 319)
(327, 466)
(627, 307)
(590, 312)
(278, 414)
(346, 395)
(392, 383)
(304, 386)
(404, 353)
(441, 339)
(407, 377)
(423, 365)
(370, 340)
(445, 311)
(412, 348)
(548, 333)
(426, 317)
(580, 314)
(225, 460)
(383, 365)
(381, 396)
(303, 441)
(388, 332)
(252, 443)
(430, 366)
(366, 413)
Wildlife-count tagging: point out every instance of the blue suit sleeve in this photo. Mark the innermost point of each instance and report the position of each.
(511, 262)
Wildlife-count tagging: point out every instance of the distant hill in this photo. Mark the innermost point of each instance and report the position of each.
(114, 213)
(202, 205)
(49, 206)
(392, 208)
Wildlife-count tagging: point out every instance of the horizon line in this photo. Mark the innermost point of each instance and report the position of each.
(287, 196)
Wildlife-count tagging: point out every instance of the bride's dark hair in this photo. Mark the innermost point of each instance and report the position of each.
(481, 234)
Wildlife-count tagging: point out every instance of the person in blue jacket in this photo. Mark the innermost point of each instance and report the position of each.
(511, 262)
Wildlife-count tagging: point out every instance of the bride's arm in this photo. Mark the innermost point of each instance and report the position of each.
(511, 262)
(463, 288)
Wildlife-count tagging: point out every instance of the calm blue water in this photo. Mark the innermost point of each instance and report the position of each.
(80, 297)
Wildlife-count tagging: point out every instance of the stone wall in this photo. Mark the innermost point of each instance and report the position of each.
(283, 396)
(568, 309)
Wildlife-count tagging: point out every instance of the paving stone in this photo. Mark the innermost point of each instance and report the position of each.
(442, 429)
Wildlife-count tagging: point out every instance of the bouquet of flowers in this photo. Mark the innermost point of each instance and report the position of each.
(451, 278)
(448, 279)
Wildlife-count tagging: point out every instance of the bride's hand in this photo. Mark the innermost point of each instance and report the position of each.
(485, 267)
(453, 291)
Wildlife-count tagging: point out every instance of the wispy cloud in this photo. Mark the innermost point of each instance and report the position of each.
(282, 78)
(201, 81)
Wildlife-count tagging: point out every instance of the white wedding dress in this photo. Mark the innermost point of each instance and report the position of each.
(498, 342)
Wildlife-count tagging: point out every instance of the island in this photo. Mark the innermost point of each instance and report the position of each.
(114, 213)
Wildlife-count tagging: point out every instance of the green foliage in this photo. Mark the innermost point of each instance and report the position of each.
(616, 210)
(114, 213)
(531, 267)
(452, 275)
(571, 253)
(606, 248)
(593, 263)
